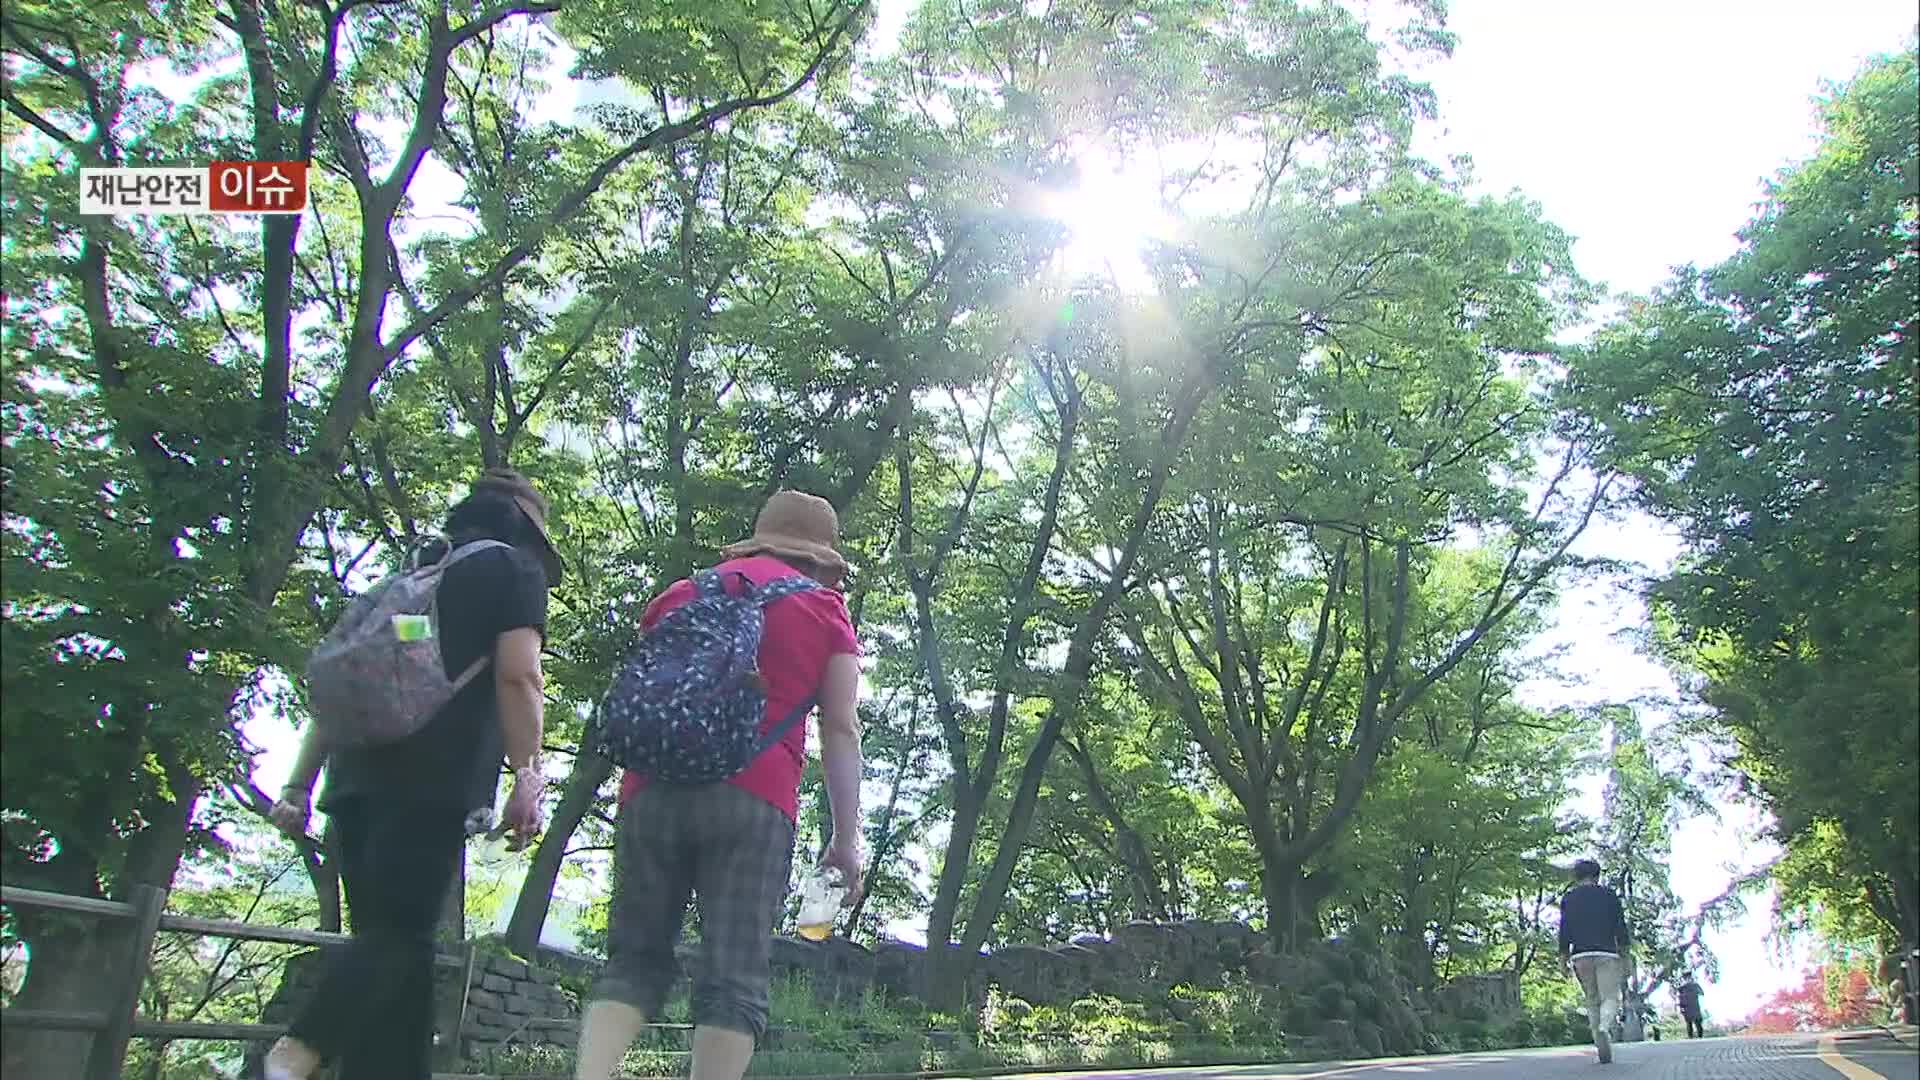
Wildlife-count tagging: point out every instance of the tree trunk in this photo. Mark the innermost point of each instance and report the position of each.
(1906, 900)
(883, 837)
(323, 870)
(1414, 952)
(944, 982)
(1293, 897)
(71, 969)
(1292, 915)
(1150, 900)
(1069, 688)
(74, 963)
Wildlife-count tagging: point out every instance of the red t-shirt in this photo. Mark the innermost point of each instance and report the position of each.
(802, 633)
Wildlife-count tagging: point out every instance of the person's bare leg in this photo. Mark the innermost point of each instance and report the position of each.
(607, 1032)
(720, 1053)
(291, 1059)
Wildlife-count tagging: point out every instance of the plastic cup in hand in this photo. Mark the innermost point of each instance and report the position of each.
(494, 849)
(820, 900)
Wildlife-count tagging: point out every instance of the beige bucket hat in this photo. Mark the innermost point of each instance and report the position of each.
(798, 527)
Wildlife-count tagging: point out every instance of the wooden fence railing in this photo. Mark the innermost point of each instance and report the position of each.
(120, 1023)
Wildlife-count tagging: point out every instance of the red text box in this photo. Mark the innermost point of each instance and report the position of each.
(257, 187)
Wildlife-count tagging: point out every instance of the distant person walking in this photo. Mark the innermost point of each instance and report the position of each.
(1690, 1008)
(1593, 943)
(420, 690)
(708, 718)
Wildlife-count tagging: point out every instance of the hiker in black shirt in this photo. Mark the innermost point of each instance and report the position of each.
(402, 810)
(1689, 994)
(1593, 943)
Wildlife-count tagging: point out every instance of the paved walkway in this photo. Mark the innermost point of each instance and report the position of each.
(1852, 1056)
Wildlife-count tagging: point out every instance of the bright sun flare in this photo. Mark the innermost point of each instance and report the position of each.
(1111, 215)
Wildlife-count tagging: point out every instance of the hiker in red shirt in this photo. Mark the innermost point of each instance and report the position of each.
(729, 844)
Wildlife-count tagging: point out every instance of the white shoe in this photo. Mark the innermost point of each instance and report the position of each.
(289, 1059)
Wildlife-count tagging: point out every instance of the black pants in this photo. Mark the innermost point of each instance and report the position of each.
(1696, 1028)
(373, 1010)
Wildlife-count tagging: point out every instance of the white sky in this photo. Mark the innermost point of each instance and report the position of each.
(1645, 129)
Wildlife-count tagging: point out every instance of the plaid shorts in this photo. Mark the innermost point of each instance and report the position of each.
(733, 851)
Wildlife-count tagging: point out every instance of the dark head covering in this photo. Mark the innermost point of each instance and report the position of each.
(512, 485)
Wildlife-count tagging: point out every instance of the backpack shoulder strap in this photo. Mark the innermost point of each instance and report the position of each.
(471, 548)
(710, 583)
(467, 676)
(707, 583)
(445, 563)
(779, 731)
(785, 587)
(429, 553)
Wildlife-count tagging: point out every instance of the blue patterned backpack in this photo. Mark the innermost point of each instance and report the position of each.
(686, 706)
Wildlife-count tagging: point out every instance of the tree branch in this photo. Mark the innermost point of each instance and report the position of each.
(925, 630)
(1280, 748)
(518, 420)
(1497, 610)
(574, 200)
(47, 127)
(433, 87)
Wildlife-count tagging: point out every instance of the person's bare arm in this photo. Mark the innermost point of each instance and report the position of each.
(291, 811)
(307, 764)
(521, 691)
(843, 762)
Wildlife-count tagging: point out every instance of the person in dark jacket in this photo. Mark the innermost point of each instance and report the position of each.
(1689, 993)
(1593, 944)
(402, 811)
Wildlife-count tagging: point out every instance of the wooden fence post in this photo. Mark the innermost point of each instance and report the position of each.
(450, 1012)
(109, 1052)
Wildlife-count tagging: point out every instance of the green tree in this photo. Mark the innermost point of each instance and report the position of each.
(1455, 850)
(154, 551)
(1644, 802)
(1315, 601)
(1115, 393)
(1200, 593)
(1768, 406)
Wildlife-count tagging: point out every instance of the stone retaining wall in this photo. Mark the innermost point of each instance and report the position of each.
(1333, 991)
(512, 1001)
(509, 1001)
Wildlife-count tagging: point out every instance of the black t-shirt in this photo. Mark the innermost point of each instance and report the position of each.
(455, 761)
